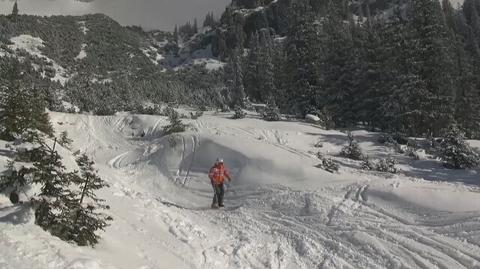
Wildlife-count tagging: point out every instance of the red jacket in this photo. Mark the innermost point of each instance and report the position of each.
(218, 173)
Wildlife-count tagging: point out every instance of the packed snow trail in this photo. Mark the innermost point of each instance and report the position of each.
(282, 212)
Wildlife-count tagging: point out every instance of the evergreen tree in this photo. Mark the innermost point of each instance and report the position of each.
(14, 180)
(235, 80)
(176, 125)
(64, 140)
(302, 60)
(352, 150)
(210, 20)
(21, 109)
(175, 34)
(238, 113)
(432, 61)
(252, 77)
(455, 151)
(86, 220)
(259, 75)
(340, 66)
(272, 113)
(15, 9)
(59, 209)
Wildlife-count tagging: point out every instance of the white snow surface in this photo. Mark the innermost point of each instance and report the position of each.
(32, 45)
(83, 27)
(83, 53)
(152, 53)
(281, 211)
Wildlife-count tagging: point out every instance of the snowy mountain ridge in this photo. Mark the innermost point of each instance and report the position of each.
(80, 42)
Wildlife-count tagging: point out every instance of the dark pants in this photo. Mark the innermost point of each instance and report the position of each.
(219, 193)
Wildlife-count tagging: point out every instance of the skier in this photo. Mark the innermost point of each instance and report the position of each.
(217, 176)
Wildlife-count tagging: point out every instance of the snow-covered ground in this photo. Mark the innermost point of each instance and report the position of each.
(281, 211)
(83, 53)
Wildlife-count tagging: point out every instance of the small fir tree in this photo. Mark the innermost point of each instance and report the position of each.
(272, 113)
(86, 218)
(64, 140)
(176, 125)
(15, 9)
(456, 152)
(238, 113)
(352, 150)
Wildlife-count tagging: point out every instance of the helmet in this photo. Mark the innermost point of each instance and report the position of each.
(219, 160)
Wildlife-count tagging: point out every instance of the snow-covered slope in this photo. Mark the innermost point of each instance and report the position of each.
(32, 46)
(282, 211)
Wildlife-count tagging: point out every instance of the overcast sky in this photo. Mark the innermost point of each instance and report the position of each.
(151, 14)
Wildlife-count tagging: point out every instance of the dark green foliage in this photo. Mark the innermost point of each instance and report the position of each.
(410, 70)
(387, 165)
(116, 74)
(176, 125)
(327, 164)
(395, 138)
(21, 108)
(456, 152)
(15, 9)
(259, 74)
(271, 113)
(238, 113)
(210, 20)
(13, 180)
(234, 80)
(66, 213)
(83, 212)
(352, 150)
(64, 140)
(302, 66)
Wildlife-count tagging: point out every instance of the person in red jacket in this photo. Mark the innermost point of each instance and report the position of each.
(217, 176)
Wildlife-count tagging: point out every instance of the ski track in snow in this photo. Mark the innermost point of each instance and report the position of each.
(160, 197)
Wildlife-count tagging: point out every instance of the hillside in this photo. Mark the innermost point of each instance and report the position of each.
(92, 61)
(282, 211)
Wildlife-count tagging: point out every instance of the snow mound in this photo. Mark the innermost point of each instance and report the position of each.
(82, 54)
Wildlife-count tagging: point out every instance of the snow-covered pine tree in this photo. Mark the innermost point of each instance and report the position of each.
(64, 140)
(234, 81)
(50, 174)
(267, 84)
(176, 125)
(252, 72)
(83, 212)
(259, 76)
(432, 61)
(344, 66)
(21, 108)
(456, 152)
(352, 150)
(14, 180)
(272, 113)
(238, 113)
(302, 63)
(387, 165)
